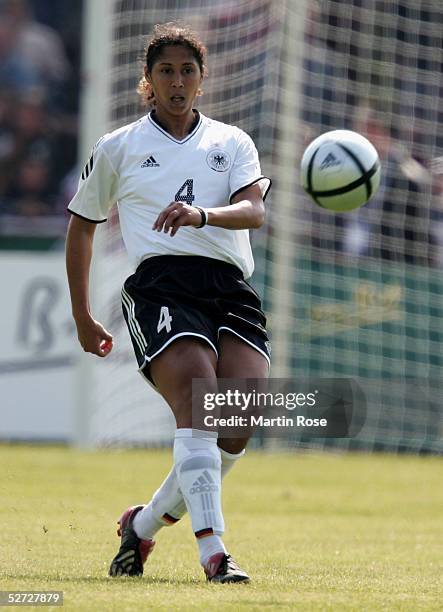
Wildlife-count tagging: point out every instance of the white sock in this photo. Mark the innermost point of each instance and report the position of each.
(209, 546)
(197, 463)
(229, 460)
(162, 510)
(146, 526)
(167, 506)
(213, 544)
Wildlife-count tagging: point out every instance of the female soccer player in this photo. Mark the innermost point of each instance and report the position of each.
(188, 190)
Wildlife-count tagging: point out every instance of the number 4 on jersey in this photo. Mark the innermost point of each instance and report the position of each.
(164, 320)
(189, 197)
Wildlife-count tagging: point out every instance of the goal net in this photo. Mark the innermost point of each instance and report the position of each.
(347, 295)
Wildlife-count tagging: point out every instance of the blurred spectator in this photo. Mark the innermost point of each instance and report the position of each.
(16, 74)
(37, 45)
(395, 224)
(33, 167)
(30, 192)
(39, 90)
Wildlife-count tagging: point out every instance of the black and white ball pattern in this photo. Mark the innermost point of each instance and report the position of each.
(340, 170)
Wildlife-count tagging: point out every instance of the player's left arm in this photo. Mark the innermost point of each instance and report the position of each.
(247, 211)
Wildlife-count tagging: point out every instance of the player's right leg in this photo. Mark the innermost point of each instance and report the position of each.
(172, 371)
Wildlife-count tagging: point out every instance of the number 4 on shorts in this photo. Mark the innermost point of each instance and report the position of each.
(164, 320)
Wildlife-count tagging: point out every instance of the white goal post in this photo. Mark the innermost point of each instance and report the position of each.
(96, 71)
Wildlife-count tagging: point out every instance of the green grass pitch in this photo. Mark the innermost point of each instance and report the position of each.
(315, 531)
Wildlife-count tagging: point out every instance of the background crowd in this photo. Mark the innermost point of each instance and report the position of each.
(385, 81)
(40, 83)
(40, 54)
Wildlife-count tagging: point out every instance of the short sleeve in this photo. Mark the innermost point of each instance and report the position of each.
(246, 169)
(97, 187)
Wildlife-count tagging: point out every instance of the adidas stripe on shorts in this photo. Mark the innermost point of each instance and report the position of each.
(172, 296)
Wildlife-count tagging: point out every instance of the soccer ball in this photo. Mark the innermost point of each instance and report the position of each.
(340, 170)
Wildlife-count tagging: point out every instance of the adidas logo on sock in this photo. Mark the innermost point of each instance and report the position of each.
(204, 484)
(150, 163)
(330, 160)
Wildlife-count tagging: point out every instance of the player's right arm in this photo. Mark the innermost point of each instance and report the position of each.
(93, 337)
(95, 195)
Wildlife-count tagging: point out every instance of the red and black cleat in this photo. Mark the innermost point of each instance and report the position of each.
(133, 551)
(222, 568)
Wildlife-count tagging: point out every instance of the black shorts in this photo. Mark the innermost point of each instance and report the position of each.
(169, 297)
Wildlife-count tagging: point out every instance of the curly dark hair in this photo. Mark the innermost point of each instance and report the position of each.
(164, 35)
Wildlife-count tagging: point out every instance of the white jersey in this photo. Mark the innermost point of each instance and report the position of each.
(143, 169)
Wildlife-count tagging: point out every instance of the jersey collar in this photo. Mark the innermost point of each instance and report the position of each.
(180, 142)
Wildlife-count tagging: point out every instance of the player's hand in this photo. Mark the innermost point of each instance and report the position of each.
(176, 215)
(93, 337)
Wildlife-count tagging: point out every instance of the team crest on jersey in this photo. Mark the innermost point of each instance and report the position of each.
(219, 160)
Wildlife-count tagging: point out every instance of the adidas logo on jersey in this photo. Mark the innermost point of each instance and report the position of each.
(150, 163)
(204, 484)
(329, 161)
